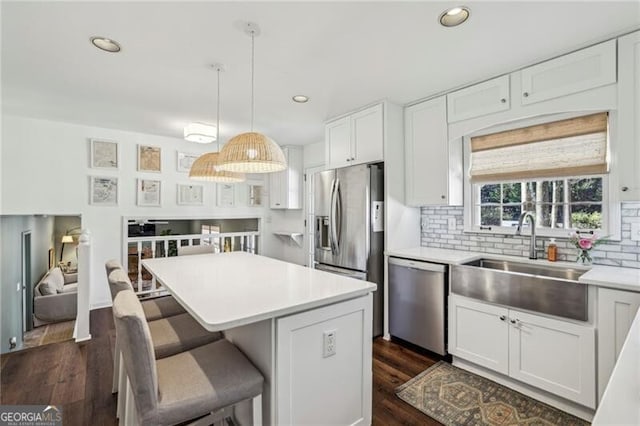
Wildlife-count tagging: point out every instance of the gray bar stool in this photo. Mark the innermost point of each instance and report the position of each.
(181, 387)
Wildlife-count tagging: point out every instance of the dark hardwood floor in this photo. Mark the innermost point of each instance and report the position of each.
(78, 377)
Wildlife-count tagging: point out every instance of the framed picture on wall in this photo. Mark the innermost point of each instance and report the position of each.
(185, 161)
(225, 195)
(149, 158)
(190, 195)
(103, 191)
(52, 259)
(148, 193)
(104, 154)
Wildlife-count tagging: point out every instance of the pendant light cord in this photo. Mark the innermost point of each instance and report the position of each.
(252, 76)
(218, 112)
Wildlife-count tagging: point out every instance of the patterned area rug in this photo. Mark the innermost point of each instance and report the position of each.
(456, 397)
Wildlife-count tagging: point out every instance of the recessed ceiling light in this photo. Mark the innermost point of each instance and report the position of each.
(454, 16)
(300, 99)
(200, 132)
(106, 44)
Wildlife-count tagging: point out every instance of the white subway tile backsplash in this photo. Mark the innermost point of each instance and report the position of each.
(436, 234)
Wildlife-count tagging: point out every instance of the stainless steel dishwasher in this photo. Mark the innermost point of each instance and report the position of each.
(417, 303)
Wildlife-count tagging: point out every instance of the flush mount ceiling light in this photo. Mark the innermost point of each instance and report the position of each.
(301, 99)
(200, 132)
(106, 44)
(454, 16)
(206, 168)
(252, 152)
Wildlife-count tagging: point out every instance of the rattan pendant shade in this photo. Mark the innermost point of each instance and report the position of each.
(252, 152)
(205, 168)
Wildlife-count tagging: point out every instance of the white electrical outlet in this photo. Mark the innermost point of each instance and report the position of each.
(452, 223)
(635, 232)
(328, 343)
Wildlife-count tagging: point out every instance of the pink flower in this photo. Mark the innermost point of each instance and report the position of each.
(585, 243)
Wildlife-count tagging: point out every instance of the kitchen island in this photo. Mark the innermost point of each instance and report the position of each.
(283, 316)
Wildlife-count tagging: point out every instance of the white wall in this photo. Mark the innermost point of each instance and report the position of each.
(45, 170)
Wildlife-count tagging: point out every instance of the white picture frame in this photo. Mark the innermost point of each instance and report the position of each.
(105, 154)
(190, 195)
(225, 195)
(149, 158)
(103, 190)
(184, 161)
(149, 193)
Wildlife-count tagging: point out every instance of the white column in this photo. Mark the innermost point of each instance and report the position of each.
(84, 286)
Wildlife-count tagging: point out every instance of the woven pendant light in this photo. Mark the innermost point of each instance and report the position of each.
(252, 152)
(206, 167)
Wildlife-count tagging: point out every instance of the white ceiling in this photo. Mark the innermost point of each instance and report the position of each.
(343, 55)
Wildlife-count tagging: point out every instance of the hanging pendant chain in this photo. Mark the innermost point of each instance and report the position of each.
(218, 113)
(252, 76)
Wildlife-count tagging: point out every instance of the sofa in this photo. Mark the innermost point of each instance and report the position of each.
(55, 298)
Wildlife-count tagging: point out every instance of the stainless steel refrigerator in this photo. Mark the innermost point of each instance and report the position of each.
(349, 231)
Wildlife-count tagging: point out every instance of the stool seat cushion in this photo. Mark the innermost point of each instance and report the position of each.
(177, 334)
(161, 307)
(205, 379)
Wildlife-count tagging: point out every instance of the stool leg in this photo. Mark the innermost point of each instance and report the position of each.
(116, 367)
(257, 410)
(130, 415)
(122, 385)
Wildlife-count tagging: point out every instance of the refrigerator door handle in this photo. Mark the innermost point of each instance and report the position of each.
(332, 225)
(336, 216)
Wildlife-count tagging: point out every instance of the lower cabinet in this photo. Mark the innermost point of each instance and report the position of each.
(553, 355)
(323, 365)
(616, 311)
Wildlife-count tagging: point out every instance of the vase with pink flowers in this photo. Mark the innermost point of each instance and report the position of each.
(585, 243)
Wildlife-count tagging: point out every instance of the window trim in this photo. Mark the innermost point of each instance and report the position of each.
(610, 198)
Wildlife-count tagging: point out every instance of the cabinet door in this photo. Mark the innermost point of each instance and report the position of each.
(338, 141)
(628, 149)
(426, 153)
(480, 99)
(616, 311)
(277, 184)
(367, 134)
(479, 333)
(572, 73)
(553, 355)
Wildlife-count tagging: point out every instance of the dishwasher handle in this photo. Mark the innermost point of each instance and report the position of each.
(415, 264)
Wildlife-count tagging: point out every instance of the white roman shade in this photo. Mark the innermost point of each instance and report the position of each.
(573, 147)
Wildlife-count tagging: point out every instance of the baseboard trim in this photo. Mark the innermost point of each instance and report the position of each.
(577, 410)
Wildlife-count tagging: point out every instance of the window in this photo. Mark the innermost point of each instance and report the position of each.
(558, 170)
(570, 203)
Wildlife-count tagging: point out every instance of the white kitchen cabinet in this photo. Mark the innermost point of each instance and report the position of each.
(286, 186)
(342, 380)
(576, 72)
(480, 99)
(554, 355)
(433, 164)
(355, 139)
(479, 333)
(628, 151)
(557, 356)
(615, 312)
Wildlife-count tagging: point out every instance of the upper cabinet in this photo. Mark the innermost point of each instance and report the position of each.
(356, 138)
(286, 186)
(433, 165)
(628, 152)
(576, 72)
(480, 99)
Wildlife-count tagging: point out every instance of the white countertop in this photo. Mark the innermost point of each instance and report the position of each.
(620, 403)
(602, 276)
(226, 290)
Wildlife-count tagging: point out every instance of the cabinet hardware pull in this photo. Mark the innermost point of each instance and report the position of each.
(525, 94)
(625, 188)
(443, 197)
(512, 321)
(502, 318)
(503, 100)
(353, 158)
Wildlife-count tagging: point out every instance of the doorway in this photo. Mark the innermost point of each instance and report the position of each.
(310, 218)
(27, 299)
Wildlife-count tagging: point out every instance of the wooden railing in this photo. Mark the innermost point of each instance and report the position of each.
(139, 248)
